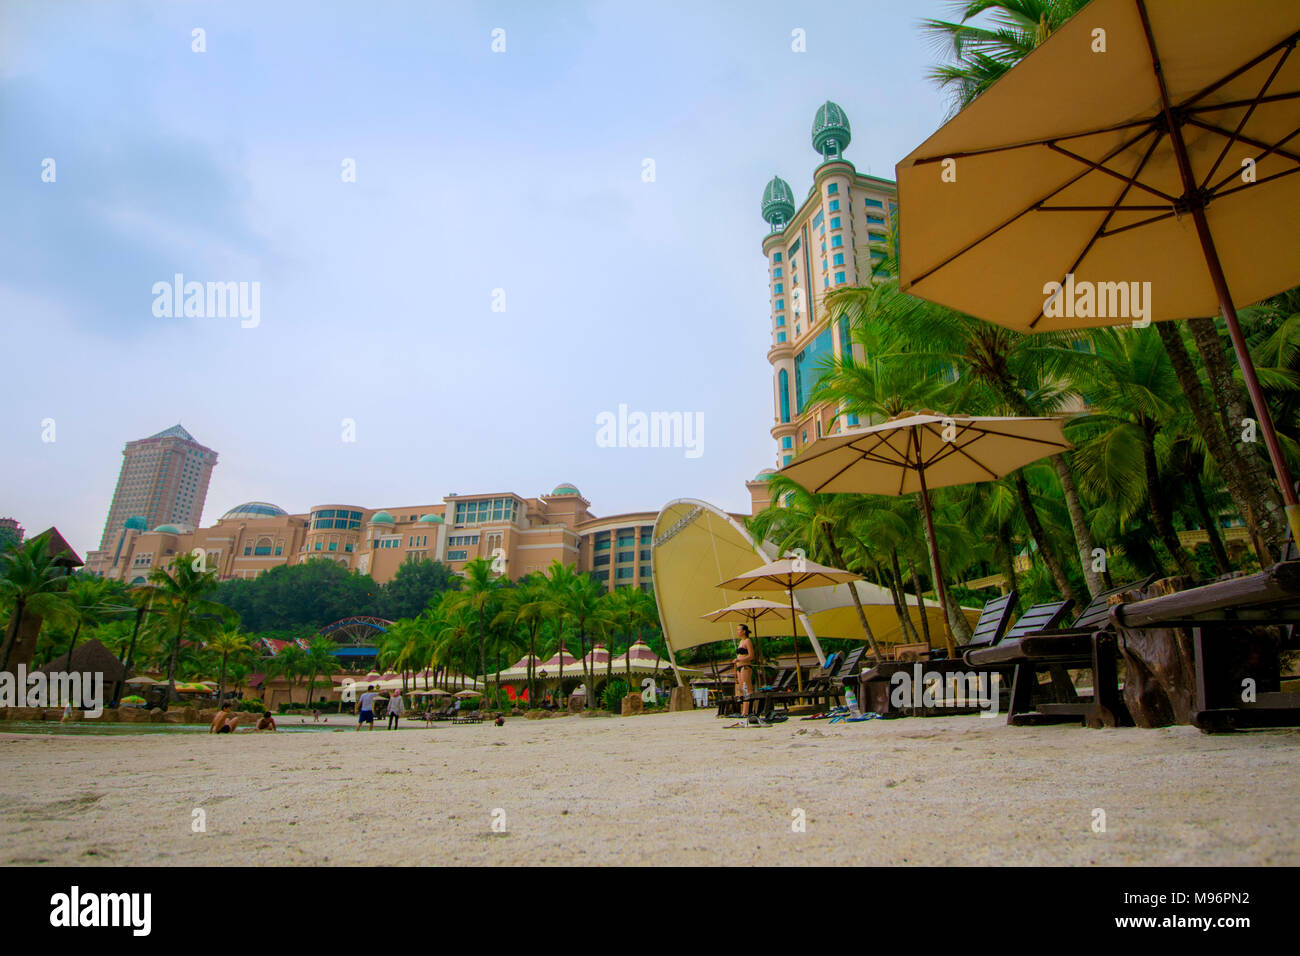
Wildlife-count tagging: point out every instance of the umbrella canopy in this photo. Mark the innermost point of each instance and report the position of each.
(902, 455)
(468, 693)
(431, 692)
(1151, 178)
(924, 449)
(143, 681)
(749, 610)
(133, 699)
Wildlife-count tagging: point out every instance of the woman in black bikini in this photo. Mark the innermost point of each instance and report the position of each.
(744, 666)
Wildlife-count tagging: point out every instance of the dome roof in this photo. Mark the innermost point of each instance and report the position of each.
(383, 517)
(778, 201)
(765, 474)
(431, 519)
(255, 509)
(830, 130)
(565, 489)
(167, 529)
(137, 523)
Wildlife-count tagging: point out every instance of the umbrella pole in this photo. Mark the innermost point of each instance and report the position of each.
(933, 543)
(1229, 310)
(794, 633)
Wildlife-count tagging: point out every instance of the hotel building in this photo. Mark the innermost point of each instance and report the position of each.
(164, 480)
(522, 535)
(836, 238)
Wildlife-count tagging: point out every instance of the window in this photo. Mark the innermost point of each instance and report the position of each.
(457, 555)
(601, 560)
(780, 337)
(838, 260)
(835, 222)
(786, 460)
(279, 549)
(834, 205)
(249, 550)
(877, 237)
(780, 320)
(793, 249)
(837, 242)
(839, 278)
(780, 304)
(776, 273)
(874, 204)
(601, 575)
(622, 573)
(780, 288)
(787, 442)
(346, 547)
(817, 221)
(832, 189)
(646, 571)
(776, 257)
(875, 221)
(334, 545)
(626, 556)
(807, 366)
(317, 548)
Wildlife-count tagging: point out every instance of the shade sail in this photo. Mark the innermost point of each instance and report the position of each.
(1039, 160)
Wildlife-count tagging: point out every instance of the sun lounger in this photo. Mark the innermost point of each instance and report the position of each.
(875, 682)
(1088, 643)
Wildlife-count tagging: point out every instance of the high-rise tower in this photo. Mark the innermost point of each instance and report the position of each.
(836, 238)
(164, 480)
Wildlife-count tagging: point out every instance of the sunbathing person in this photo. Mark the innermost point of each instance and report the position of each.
(224, 722)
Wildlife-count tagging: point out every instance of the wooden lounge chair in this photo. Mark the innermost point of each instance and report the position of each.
(874, 682)
(818, 689)
(1088, 643)
(729, 706)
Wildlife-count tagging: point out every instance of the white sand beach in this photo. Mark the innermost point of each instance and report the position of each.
(656, 789)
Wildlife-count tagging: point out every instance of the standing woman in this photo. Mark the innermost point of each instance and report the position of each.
(745, 658)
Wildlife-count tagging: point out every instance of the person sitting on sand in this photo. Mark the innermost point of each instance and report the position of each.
(501, 720)
(266, 721)
(224, 722)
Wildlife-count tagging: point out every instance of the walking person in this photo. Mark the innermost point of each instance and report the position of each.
(394, 709)
(366, 708)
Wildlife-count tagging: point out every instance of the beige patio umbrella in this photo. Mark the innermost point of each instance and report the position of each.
(1138, 165)
(789, 574)
(749, 611)
(917, 451)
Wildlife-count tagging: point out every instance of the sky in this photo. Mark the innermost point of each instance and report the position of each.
(499, 274)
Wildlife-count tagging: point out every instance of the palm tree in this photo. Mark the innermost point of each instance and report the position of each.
(978, 55)
(86, 605)
(31, 582)
(229, 644)
(581, 602)
(1132, 391)
(290, 662)
(480, 594)
(634, 609)
(181, 588)
(320, 661)
(527, 606)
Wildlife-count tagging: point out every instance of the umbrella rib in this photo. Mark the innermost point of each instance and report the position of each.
(1281, 61)
(1101, 229)
(1130, 180)
(964, 154)
(1285, 42)
(1150, 124)
(1275, 148)
(1142, 222)
(1234, 104)
(1100, 208)
(1259, 182)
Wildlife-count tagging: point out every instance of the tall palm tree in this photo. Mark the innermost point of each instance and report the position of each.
(633, 609)
(31, 582)
(527, 607)
(320, 661)
(181, 588)
(291, 663)
(480, 593)
(230, 644)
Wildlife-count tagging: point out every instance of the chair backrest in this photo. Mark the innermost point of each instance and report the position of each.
(782, 678)
(993, 621)
(850, 664)
(1097, 613)
(1040, 617)
(907, 652)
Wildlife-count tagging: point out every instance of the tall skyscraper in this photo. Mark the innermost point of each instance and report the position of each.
(837, 237)
(164, 481)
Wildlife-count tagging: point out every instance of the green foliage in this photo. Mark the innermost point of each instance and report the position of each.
(613, 695)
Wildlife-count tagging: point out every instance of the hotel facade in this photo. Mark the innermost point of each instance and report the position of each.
(836, 238)
(520, 535)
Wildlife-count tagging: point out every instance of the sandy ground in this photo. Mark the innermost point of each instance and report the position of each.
(658, 789)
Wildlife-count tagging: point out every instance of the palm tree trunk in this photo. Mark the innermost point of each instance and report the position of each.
(897, 592)
(1039, 535)
(1234, 410)
(1212, 430)
(67, 664)
(11, 633)
(221, 683)
(838, 558)
(1007, 551)
(1217, 549)
(920, 600)
(958, 630)
(1079, 522)
(1160, 511)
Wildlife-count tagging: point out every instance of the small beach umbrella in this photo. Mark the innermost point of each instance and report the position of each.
(133, 699)
(749, 610)
(917, 451)
(468, 693)
(142, 681)
(1146, 153)
(789, 574)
